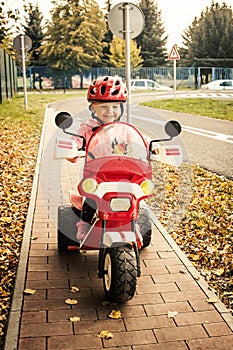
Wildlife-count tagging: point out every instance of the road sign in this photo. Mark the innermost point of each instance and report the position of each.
(126, 21)
(17, 43)
(174, 54)
(116, 20)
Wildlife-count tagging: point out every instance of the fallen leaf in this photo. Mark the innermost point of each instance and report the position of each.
(105, 335)
(212, 300)
(29, 291)
(115, 314)
(172, 314)
(74, 319)
(74, 289)
(219, 272)
(71, 301)
(183, 271)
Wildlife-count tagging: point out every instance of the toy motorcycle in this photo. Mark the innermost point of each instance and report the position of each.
(116, 178)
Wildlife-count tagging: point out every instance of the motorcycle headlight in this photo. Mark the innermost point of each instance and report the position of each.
(90, 185)
(147, 187)
(120, 204)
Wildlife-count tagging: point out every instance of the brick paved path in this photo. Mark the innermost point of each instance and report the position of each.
(169, 282)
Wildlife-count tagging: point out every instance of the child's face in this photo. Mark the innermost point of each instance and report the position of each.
(107, 112)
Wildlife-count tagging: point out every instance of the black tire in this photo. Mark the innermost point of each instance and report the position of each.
(145, 226)
(120, 273)
(67, 230)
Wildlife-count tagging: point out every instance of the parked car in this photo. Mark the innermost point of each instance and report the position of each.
(147, 84)
(220, 84)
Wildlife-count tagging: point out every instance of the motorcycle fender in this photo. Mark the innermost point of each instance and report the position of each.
(114, 239)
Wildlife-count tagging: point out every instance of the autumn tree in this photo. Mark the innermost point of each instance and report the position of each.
(33, 28)
(117, 53)
(7, 19)
(107, 39)
(208, 41)
(74, 35)
(153, 39)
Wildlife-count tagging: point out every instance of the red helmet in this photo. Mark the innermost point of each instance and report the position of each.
(107, 89)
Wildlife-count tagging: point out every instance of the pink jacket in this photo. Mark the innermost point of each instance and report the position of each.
(86, 130)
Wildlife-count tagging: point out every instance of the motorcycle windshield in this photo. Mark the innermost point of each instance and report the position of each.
(117, 139)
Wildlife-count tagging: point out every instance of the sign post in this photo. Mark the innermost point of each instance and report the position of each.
(174, 55)
(128, 26)
(22, 43)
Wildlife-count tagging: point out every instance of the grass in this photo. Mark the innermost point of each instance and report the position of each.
(219, 109)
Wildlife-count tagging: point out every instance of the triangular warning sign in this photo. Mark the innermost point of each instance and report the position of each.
(174, 54)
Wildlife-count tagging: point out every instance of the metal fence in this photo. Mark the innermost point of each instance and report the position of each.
(8, 76)
(187, 77)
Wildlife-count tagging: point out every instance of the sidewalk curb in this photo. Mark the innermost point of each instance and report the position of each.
(221, 308)
(12, 333)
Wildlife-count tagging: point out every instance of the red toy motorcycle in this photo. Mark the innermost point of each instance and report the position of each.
(116, 177)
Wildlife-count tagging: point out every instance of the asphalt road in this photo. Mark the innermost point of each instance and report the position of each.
(205, 141)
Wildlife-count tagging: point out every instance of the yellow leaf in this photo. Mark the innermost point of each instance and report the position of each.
(105, 335)
(219, 272)
(29, 291)
(115, 314)
(74, 319)
(172, 314)
(74, 289)
(212, 300)
(71, 301)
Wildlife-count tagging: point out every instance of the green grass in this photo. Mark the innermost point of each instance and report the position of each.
(13, 110)
(219, 109)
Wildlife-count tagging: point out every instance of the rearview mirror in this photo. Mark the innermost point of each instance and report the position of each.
(172, 128)
(63, 120)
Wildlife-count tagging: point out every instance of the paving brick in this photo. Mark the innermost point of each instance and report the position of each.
(180, 333)
(37, 260)
(95, 327)
(163, 308)
(220, 343)
(36, 246)
(175, 277)
(201, 305)
(33, 317)
(64, 315)
(162, 262)
(127, 311)
(197, 318)
(51, 304)
(65, 293)
(155, 270)
(140, 323)
(74, 342)
(146, 299)
(39, 294)
(184, 285)
(45, 329)
(170, 297)
(167, 254)
(217, 329)
(176, 345)
(36, 275)
(47, 267)
(131, 338)
(38, 344)
(156, 288)
(48, 284)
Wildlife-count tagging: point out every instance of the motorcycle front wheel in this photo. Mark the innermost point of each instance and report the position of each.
(120, 273)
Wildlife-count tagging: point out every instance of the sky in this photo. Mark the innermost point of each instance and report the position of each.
(177, 15)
